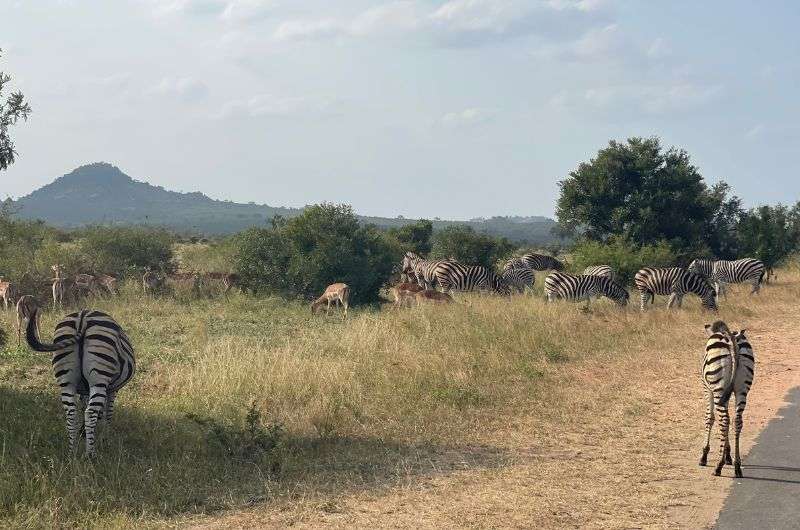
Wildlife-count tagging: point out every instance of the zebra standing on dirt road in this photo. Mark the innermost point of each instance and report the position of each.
(92, 359)
(739, 271)
(728, 369)
(451, 275)
(579, 287)
(676, 283)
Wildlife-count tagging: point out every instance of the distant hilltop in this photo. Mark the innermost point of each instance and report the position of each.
(116, 198)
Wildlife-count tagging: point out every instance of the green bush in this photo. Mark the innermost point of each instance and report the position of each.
(122, 251)
(303, 255)
(462, 243)
(216, 256)
(625, 258)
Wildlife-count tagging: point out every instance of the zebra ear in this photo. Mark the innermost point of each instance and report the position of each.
(708, 330)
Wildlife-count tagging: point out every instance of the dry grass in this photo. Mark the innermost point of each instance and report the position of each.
(488, 412)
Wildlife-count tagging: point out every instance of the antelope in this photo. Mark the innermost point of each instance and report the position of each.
(27, 307)
(228, 279)
(8, 291)
(337, 293)
(432, 295)
(107, 282)
(404, 292)
(58, 286)
(151, 281)
(85, 283)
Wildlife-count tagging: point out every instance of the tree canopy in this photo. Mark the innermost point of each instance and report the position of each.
(12, 109)
(467, 246)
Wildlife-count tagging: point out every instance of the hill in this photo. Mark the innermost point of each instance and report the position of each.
(101, 193)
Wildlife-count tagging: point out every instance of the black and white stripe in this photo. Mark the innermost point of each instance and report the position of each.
(519, 278)
(599, 270)
(516, 263)
(742, 270)
(452, 275)
(540, 262)
(703, 267)
(675, 283)
(92, 358)
(728, 369)
(420, 270)
(582, 287)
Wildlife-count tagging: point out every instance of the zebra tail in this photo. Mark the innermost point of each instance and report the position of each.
(33, 339)
(726, 394)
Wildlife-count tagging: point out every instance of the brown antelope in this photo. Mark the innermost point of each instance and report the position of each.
(59, 286)
(404, 293)
(151, 281)
(84, 284)
(107, 282)
(27, 306)
(8, 291)
(431, 295)
(228, 279)
(184, 280)
(336, 293)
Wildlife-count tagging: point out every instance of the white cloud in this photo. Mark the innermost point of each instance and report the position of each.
(648, 98)
(308, 30)
(394, 17)
(756, 131)
(467, 117)
(184, 88)
(245, 11)
(272, 105)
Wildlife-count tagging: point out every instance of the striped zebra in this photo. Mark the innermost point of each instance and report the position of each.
(739, 271)
(579, 287)
(519, 278)
(676, 283)
(703, 267)
(92, 359)
(728, 368)
(420, 270)
(516, 263)
(599, 270)
(540, 262)
(452, 275)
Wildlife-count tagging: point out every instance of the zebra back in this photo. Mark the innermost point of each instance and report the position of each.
(740, 270)
(540, 262)
(599, 270)
(454, 275)
(519, 278)
(675, 280)
(516, 263)
(582, 286)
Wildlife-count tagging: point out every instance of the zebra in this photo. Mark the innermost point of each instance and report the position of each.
(599, 270)
(742, 270)
(519, 278)
(675, 282)
(540, 262)
(728, 368)
(516, 263)
(703, 267)
(579, 287)
(421, 270)
(453, 275)
(92, 360)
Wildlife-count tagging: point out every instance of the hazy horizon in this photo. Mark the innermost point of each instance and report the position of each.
(454, 109)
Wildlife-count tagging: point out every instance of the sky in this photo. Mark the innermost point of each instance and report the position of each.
(449, 108)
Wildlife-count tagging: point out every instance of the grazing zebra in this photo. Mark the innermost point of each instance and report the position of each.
(703, 267)
(519, 278)
(59, 287)
(675, 282)
(27, 306)
(728, 368)
(599, 270)
(516, 263)
(540, 262)
(92, 359)
(452, 275)
(579, 287)
(742, 270)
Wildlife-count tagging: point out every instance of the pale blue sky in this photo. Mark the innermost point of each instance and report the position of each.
(455, 109)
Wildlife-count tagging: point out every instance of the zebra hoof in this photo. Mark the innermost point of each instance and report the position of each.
(728, 460)
(703, 461)
(718, 470)
(737, 470)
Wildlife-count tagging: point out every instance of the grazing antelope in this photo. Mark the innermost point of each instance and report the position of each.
(59, 287)
(151, 281)
(404, 292)
(8, 291)
(27, 306)
(432, 295)
(336, 293)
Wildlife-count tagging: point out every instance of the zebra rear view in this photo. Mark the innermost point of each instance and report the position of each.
(728, 369)
(92, 358)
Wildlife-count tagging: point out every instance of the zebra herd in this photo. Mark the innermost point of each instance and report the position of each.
(704, 278)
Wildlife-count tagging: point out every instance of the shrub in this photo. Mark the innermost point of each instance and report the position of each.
(127, 250)
(625, 257)
(465, 245)
(303, 255)
(216, 256)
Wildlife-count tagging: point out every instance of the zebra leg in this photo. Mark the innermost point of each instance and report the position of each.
(756, 286)
(709, 425)
(70, 400)
(741, 403)
(724, 424)
(671, 300)
(95, 406)
(643, 297)
(109, 412)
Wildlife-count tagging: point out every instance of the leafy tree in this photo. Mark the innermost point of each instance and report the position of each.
(722, 230)
(770, 233)
(127, 250)
(638, 191)
(415, 237)
(325, 244)
(12, 109)
(625, 258)
(464, 244)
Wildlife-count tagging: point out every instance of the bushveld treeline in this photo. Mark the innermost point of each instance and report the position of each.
(633, 205)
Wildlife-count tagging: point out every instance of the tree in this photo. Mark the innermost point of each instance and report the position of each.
(722, 237)
(770, 233)
(301, 256)
(641, 192)
(12, 109)
(415, 237)
(465, 245)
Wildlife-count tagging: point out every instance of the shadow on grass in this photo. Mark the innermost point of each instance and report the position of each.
(161, 465)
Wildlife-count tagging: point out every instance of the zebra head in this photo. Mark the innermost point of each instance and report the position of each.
(615, 291)
(499, 284)
(410, 260)
(709, 300)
